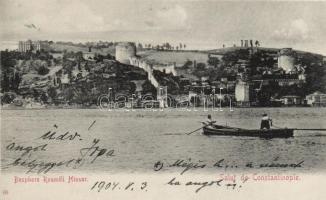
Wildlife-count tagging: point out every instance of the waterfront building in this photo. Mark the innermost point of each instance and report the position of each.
(316, 99)
(291, 100)
(280, 79)
(88, 55)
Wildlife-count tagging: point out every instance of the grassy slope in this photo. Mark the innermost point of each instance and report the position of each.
(180, 57)
(61, 47)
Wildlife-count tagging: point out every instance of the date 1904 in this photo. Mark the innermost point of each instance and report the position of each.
(112, 185)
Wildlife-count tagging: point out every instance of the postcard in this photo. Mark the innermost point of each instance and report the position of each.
(172, 99)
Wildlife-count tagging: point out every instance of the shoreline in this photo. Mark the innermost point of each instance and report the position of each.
(190, 108)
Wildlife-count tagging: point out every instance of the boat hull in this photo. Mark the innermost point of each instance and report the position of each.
(262, 133)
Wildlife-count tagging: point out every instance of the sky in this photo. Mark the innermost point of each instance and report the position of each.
(200, 24)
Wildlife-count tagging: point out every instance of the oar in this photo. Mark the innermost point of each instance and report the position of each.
(310, 129)
(304, 129)
(199, 128)
(196, 130)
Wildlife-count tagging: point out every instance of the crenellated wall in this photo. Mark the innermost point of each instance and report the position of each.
(170, 68)
(147, 67)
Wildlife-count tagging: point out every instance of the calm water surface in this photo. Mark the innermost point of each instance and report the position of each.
(141, 138)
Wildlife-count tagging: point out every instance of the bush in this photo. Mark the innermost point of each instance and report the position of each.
(8, 97)
(43, 70)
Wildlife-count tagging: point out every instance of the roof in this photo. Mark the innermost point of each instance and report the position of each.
(317, 92)
(290, 96)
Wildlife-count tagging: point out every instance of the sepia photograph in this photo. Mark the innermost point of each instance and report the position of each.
(170, 99)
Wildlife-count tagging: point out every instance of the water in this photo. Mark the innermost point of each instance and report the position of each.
(142, 138)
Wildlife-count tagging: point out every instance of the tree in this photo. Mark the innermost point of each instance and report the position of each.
(52, 92)
(316, 79)
(43, 70)
(148, 88)
(87, 68)
(187, 64)
(8, 97)
(5, 83)
(264, 98)
(133, 87)
(69, 94)
(16, 81)
(44, 98)
(201, 66)
(167, 46)
(214, 61)
(79, 57)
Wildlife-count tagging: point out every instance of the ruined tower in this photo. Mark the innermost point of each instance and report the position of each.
(286, 59)
(124, 51)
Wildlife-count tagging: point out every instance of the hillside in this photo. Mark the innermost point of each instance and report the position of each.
(72, 80)
(181, 57)
(75, 48)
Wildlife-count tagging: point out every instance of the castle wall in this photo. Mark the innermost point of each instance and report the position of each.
(168, 69)
(147, 67)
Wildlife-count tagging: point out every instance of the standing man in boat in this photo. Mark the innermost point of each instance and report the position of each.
(209, 121)
(266, 122)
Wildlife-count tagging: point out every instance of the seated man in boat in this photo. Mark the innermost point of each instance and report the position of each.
(209, 122)
(266, 122)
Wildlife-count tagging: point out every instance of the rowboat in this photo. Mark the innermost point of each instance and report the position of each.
(262, 133)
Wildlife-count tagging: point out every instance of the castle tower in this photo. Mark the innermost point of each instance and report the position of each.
(286, 59)
(242, 93)
(124, 51)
